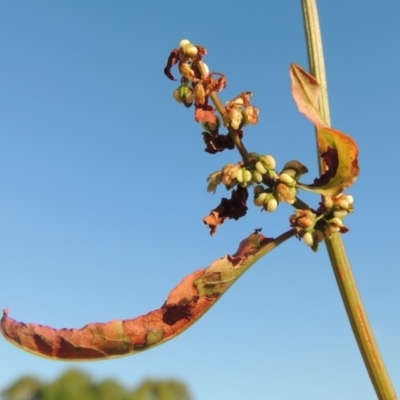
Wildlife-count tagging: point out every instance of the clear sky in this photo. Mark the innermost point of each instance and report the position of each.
(103, 182)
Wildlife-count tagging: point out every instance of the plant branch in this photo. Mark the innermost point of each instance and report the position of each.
(337, 253)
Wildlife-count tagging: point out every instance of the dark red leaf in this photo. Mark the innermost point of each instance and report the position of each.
(172, 60)
(233, 208)
(220, 142)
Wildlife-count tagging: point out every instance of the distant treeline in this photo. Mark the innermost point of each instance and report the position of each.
(75, 385)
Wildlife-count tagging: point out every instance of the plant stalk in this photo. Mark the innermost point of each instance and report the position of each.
(340, 264)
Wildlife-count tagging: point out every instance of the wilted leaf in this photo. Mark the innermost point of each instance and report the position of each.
(205, 113)
(233, 208)
(215, 144)
(305, 91)
(184, 306)
(340, 158)
(172, 60)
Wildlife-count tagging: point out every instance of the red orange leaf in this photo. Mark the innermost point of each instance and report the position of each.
(184, 306)
(305, 91)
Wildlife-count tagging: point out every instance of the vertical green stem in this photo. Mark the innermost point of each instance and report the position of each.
(337, 253)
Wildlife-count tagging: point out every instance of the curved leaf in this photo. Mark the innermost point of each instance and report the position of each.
(339, 153)
(305, 91)
(184, 306)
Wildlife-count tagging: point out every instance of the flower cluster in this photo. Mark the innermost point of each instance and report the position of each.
(197, 86)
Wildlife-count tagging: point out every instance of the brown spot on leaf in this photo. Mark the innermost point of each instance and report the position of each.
(331, 163)
(173, 314)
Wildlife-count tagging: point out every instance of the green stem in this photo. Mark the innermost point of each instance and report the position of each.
(337, 253)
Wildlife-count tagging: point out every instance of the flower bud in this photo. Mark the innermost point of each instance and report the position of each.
(308, 239)
(272, 205)
(186, 70)
(287, 179)
(246, 175)
(269, 161)
(177, 96)
(256, 175)
(250, 115)
(342, 203)
(342, 214)
(259, 200)
(260, 167)
(336, 221)
(239, 176)
(183, 43)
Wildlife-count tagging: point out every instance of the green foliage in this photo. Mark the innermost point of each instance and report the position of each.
(22, 389)
(75, 385)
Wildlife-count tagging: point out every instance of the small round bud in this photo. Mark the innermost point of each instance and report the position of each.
(177, 96)
(342, 214)
(287, 179)
(246, 175)
(349, 198)
(270, 161)
(191, 51)
(334, 229)
(343, 203)
(239, 176)
(259, 200)
(336, 221)
(272, 205)
(256, 175)
(184, 42)
(237, 102)
(260, 167)
(308, 239)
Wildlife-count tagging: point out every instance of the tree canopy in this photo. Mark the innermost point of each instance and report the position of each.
(74, 384)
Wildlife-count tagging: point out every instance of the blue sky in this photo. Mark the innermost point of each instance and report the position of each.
(103, 189)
